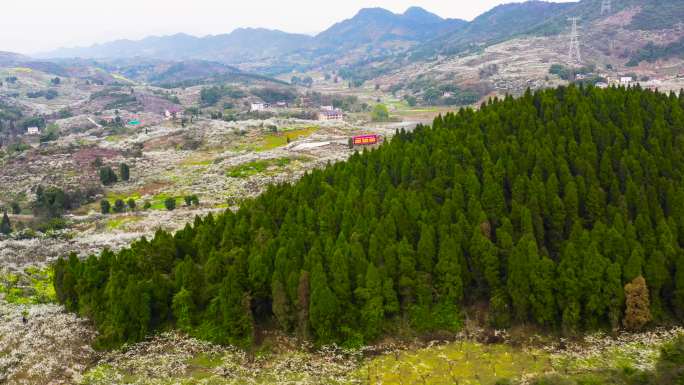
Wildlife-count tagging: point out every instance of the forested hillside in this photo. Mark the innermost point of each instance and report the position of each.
(544, 207)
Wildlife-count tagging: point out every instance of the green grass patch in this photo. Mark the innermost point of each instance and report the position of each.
(119, 222)
(114, 138)
(455, 363)
(158, 201)
(33, 286)
(194, 161)
(246, 170)
(112, 197)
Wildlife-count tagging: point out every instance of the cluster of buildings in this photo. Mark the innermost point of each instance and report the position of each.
(626, 81)
(260, 107)
(326, 113)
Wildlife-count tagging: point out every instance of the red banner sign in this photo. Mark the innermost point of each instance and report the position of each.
(366, 140)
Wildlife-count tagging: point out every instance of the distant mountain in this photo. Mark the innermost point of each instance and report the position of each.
(240, 45)
(11, 58)
(379, 25)
(369, 26)
(377, 35)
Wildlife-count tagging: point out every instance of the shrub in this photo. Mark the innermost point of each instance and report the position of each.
(380, 113)
(105, 207)
(107, 176)
(170, 204)
(119, 206)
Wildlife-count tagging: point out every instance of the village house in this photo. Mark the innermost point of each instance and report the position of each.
(257, 107)
(327, 115)
(601, 85)
(626, 80)
(328, 108)
(33, 131)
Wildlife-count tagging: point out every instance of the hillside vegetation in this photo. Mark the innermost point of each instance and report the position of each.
(550, 208)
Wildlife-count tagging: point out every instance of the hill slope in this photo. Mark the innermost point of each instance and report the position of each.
(500, 23)
(542, 207)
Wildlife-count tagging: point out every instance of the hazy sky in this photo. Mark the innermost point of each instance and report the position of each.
(29, 26)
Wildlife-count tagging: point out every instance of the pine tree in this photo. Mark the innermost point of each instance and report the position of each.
(125, 172)
(518, 276)
(372, 311)
(542, 283)
(427, 250)
(282, 307)
(323, 307)
(107, 176)
(570, 289)
(678, 297)
(234, 308)
(615, 295)
(5, 224)
(303, 300)
(448, 271)
(634, 266)
(183, 309)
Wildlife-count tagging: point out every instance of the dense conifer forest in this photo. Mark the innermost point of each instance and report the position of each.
(550, 209)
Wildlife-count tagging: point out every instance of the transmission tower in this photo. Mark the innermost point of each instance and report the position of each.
(606, 7)
(574, 54)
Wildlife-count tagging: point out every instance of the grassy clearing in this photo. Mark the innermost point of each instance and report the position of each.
(122, 78)
(626, 357)
(457, 363)
(197, 163)
(282, 138)
(119, 222)
(33, 286)
(158, 201)
(114, 138)
(113, 197)
(260, 166)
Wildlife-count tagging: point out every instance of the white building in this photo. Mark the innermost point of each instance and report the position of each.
(33, 131)
(626, 80)
(255, 107)
(327, 108)
(601, 85)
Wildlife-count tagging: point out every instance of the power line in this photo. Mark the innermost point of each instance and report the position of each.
(574, 54)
